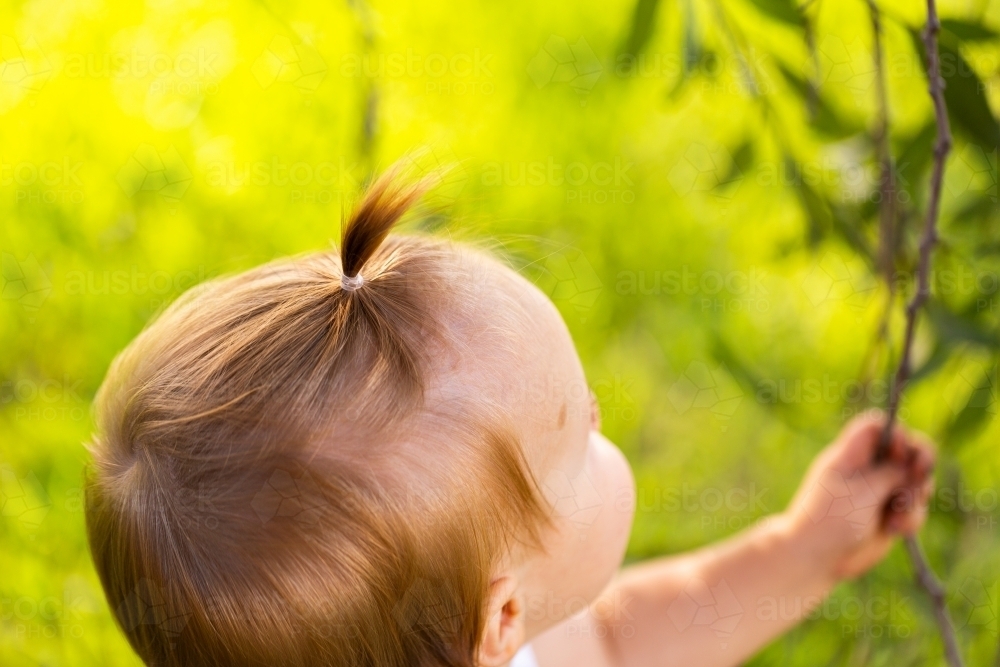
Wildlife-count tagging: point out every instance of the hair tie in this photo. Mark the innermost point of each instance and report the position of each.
(351, 283)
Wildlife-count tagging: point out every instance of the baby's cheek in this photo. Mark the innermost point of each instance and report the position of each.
(618, 493)
(623, 486)
(587, 550)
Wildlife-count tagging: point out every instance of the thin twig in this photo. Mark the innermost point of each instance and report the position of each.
(887, 196)
(813, 78)
(935, 590)
(887, 172)
(929, 239)
(924, 574)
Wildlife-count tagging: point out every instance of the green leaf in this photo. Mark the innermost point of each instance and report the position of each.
(691, 48)
(824, 216)
(939, 356)
(988, 249)
(978, 409)
(915, 158)
(743, 157)
(967, 31)
(955, 328)
(817, 212)
(741, 372)
(642, 26)
(824, 119)
(692, 53)
(969, 420)
(976, 209)
(964, 94)
(785, 11)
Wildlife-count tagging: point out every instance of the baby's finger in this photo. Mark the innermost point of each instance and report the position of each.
(907, 523)
(921, 456)
(908, 508)
(886, 481)
(862, 437)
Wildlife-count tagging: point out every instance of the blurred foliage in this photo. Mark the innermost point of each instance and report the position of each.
(694, 183)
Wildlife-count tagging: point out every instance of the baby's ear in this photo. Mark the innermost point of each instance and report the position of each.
(504, 631)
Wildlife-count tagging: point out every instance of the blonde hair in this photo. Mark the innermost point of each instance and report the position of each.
(271, 484)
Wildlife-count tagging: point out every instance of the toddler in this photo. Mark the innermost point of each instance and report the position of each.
(344, 459)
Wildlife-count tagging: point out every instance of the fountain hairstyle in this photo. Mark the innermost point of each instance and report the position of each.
(279, 480)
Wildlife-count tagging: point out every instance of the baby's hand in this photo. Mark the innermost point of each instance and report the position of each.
(850, 508)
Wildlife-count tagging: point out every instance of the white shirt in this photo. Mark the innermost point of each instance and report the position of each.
(524, 658)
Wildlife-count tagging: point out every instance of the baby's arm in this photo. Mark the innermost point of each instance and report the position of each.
(720, 604)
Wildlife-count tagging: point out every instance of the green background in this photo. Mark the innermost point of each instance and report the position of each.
(693, 183)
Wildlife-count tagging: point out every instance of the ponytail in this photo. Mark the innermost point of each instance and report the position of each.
(381, 207)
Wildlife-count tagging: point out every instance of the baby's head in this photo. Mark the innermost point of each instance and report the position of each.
(353, 460)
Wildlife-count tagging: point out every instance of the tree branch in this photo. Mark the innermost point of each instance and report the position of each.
(924, 574)
(929, 239)
(935, 590)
